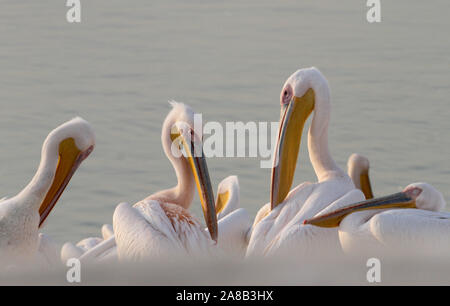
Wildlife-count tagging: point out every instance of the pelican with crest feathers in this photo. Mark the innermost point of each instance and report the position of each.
(161, 224)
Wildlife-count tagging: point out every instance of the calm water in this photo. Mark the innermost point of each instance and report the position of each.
(118, 68)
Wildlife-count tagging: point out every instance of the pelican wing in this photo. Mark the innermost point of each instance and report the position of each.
(400, 230)
(48, 250)
(153, 230)
(283, 228)
(107, 231)
(69, 250)
(93, 248)
(233, 229)
(88, 243)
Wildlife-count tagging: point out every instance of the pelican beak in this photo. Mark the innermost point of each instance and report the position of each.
(405, 199)
(293, 117)
(222, 200)
(366, 187)
(70, 158)
(194, 154)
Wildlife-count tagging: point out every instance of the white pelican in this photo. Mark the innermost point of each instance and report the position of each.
(374, 225)
(22, 216)
(161, 223)
(411, 220)
(279, 224)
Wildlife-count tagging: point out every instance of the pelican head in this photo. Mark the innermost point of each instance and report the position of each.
(297, 99)
(426, 196)
(416, 195)
(62, 153)
(183, 144)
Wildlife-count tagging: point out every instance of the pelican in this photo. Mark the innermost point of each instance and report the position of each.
(400, 222)
(22, 216)
(367, 223)
(233, 225)
(411, 220)
(279, 225)
(161, 224)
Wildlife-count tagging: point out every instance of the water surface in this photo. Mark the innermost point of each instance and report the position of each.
(120, 66)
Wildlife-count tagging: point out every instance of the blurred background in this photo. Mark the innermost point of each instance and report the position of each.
(228, 60)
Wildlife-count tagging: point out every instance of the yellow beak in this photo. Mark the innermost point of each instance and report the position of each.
(222, 200)
(200, 171)
(293, 118)
(70, 158)
(397, 200)
(366, 187)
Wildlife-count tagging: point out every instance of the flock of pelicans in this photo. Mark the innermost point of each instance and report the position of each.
(337, 212)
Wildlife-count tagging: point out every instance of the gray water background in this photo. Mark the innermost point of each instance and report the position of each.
(228, 60)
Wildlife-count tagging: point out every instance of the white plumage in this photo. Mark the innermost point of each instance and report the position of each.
(233, 224)
(422, 230)
(151, 229)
